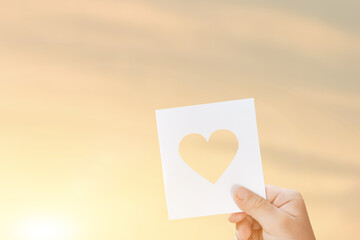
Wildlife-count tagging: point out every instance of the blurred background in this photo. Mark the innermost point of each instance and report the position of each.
(80, 80)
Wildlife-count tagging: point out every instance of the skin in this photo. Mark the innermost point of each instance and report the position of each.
(282, 216)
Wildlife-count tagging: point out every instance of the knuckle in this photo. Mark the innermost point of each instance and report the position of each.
(258, 202)
(297, 198)
(295, 194)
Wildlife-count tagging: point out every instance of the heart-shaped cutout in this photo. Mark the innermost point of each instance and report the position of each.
(209, 158)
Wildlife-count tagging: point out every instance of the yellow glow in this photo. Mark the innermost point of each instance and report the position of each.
(44, 228)
(80, 80)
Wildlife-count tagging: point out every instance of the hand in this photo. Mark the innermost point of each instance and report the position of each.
(282, 216)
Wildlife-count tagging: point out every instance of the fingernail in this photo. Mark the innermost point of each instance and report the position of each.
(241, 193)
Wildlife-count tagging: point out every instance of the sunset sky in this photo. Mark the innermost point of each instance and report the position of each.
(80, 82)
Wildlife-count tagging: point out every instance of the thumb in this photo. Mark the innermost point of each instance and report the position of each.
(257, 207)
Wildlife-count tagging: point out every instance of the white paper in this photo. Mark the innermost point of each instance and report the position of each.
(187, 193)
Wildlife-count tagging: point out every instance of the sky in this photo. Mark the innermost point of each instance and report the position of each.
(80, 82)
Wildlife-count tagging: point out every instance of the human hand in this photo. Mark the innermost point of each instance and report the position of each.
(282, 216)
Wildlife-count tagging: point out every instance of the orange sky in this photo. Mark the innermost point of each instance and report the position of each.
(79, 83)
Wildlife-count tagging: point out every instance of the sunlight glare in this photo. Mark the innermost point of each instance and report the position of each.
(44, 228)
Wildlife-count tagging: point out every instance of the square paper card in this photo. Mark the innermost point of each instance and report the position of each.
(206, 150)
